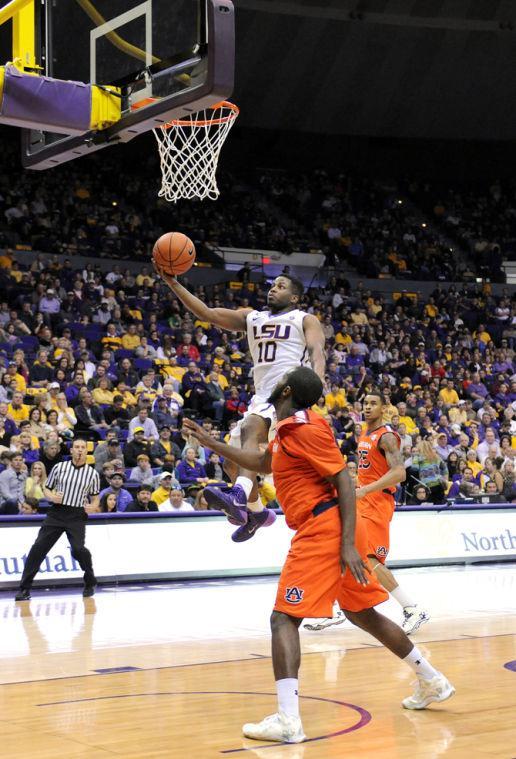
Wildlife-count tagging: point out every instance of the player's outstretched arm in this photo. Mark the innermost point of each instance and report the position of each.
(315, 342)
(390, 446)
(256, 461)
(225, 318)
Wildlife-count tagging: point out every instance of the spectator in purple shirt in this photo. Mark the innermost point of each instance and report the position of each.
(123, 496)
(354, 361)
(190, 471)
(477, 391)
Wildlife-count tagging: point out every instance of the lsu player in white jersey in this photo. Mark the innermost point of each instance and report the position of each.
(280, 338)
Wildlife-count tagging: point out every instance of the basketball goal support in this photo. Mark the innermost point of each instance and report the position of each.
(24, 32)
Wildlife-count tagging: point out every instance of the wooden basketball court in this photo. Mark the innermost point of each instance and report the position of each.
(174, 671)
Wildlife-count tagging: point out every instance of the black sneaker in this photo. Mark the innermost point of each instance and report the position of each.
(22, 595)
(89, 590)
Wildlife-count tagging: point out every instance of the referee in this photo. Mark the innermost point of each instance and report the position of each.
(69, 487)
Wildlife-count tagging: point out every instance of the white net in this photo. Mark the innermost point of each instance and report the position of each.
(189, 150)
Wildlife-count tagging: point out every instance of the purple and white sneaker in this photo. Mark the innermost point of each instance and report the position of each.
(232, 502)
(255, 520)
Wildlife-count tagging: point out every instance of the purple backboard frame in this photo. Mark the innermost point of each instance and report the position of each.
(218, 86)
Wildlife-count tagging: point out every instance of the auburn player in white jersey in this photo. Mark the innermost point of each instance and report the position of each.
(280, 338)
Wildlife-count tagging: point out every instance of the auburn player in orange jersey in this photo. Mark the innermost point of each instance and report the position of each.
(327, 557)
(380, 469)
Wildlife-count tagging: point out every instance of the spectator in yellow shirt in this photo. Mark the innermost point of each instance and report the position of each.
(145, 278)
(410, 426)
(343, 337)
(449, 395)
(103, 394)
(388, 409)
(130, 340)
(111, 339)
(129, 399)
(17, 410)
(320, 408)
(336, 399)
(482, 334)
(473, 462)
(162, 492)
(222, 379)
(13, 374)
(431, 309)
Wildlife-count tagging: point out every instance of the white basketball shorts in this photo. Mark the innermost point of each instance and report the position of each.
(261, 408)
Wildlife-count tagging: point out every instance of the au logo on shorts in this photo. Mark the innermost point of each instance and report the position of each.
(294, 595)
(381, 551)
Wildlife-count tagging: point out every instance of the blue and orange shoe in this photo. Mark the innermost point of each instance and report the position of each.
(232, 502)
(255, 520)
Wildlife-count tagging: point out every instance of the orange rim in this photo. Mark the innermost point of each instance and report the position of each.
(234, 111)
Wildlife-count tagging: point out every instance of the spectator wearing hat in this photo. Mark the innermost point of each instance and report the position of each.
(108, 450)
(142, 472)
(161, 413)
(162, 492)
(139, 444)
(116, 486)
(143, 500)
(103, 314)
(50, 306)
(457, 413)
(148, 425)
(443, 447)
(54, 389)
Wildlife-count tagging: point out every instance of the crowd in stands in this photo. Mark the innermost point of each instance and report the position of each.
(115, 358)
(480, 220)
(100, 210)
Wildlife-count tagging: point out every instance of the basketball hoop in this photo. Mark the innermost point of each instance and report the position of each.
(189, 150)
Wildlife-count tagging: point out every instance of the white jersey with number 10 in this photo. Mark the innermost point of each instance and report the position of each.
(277, 344)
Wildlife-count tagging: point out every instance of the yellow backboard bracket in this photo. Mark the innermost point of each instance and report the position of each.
(24, 38)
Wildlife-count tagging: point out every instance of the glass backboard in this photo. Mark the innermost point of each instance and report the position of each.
(170, 57)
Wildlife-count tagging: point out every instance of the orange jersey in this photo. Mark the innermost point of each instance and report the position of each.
(372, 463)
(304, 453)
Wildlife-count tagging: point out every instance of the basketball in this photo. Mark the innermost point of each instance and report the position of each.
(174, 253)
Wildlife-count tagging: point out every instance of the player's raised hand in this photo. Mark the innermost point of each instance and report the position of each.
(168, 278)
(197, 431)
(351, 559)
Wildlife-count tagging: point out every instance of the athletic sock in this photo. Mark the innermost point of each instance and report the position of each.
(246, 484)
(288, 698)
(420, 665)
(401, 597)
(255, 506)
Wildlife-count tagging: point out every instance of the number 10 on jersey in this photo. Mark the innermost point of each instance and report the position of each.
(267, 352)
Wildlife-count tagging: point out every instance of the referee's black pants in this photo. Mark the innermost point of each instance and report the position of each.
(71, 520)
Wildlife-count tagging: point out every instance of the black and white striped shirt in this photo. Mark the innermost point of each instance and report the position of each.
(76, 483)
